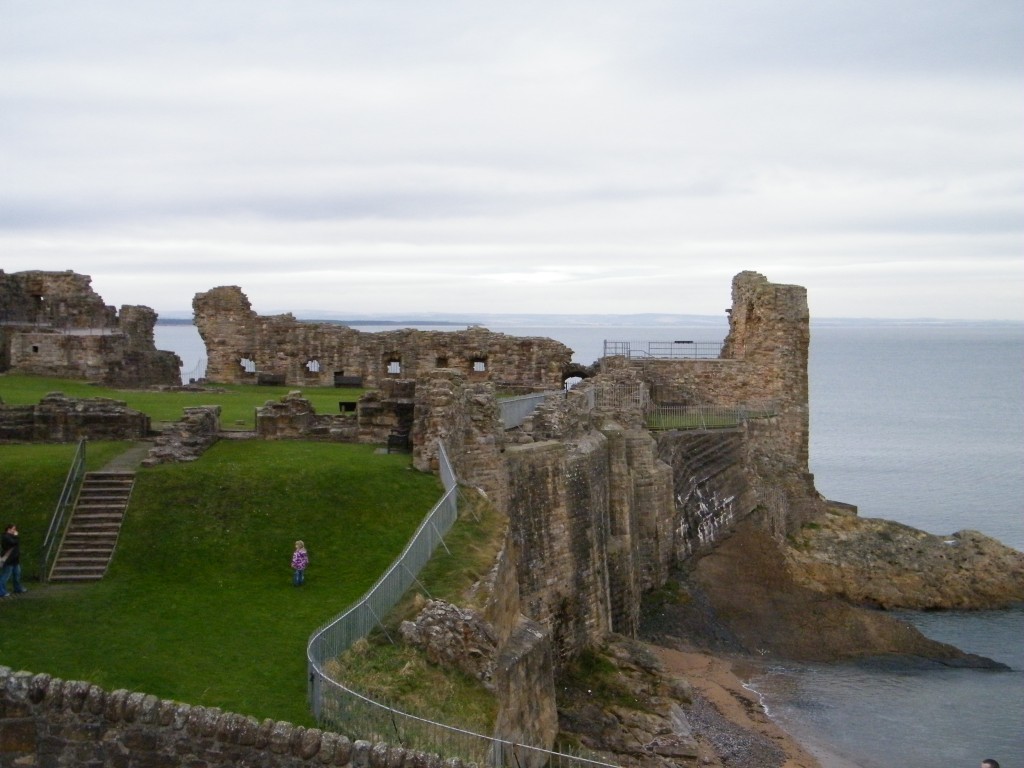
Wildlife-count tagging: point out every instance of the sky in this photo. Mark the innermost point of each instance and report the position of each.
(405, 157)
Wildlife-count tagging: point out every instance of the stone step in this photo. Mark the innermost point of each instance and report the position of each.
(91, 536)
(59, 576)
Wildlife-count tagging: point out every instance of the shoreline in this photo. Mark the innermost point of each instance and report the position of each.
(720, 681)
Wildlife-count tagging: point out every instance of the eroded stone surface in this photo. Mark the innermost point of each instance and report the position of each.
(55, 324)
(890, 565)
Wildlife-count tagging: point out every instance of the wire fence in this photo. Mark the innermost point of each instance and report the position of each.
(516, 410)
(661, 417)
(198, 372)
(340, 708)
(664, 350)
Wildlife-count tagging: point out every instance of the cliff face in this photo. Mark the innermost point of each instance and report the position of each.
(742, 598)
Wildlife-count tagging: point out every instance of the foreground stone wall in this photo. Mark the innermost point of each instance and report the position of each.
(54, 324)
(45, 721)
(243, 346)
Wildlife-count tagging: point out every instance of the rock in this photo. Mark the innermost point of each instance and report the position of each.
(889, 565)
(742, 597)
(454, 636)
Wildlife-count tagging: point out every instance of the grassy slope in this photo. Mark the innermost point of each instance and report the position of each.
(198, 605)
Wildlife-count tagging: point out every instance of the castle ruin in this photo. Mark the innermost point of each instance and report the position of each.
(55, 324)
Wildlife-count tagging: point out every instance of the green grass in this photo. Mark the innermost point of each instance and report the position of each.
(238, 402)
(402, 676)
(31, 480)
(198, 604)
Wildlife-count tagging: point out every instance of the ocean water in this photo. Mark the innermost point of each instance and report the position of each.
(922, 423)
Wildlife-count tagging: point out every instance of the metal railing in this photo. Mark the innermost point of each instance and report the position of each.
(664, 350)
(67, 497)
(660, 417)
(516, 410)
(340, 708)
(198, 372)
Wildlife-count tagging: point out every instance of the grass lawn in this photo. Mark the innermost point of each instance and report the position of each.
(198, 605)
(238, 402)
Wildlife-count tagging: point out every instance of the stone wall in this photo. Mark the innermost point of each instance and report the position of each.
(294, 418)
(599, 508)
(60, 419)
(187, 439)
(54, 324)
(45, 721)
(763, 361)
(243, 346)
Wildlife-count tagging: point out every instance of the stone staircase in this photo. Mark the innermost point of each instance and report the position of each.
(88, 544)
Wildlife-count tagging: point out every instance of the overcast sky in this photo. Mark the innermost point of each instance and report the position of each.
(588, 156)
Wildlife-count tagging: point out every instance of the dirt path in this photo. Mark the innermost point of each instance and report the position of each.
(131, 458)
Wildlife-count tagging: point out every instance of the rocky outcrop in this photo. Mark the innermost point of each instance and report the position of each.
(890, 565)
(742, 598)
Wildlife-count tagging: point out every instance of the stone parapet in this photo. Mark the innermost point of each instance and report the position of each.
(45, 721)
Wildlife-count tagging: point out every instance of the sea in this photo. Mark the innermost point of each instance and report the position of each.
(921, 422)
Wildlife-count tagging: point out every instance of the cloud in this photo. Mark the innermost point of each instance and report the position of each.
(485, 153)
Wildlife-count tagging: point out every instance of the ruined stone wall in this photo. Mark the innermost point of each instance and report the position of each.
(54, 324)
(525, 686)
(559, 512)
(241, 346)
(763, 361)
(60, 419)
(187, 439)
(294, 418)
(464, 415)
(45, 721)
(56, 299)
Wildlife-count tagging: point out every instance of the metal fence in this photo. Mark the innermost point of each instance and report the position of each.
(342, 709)
(516, 410)
(664, 350)
(198, 372)
(67, 497)
(660, 417)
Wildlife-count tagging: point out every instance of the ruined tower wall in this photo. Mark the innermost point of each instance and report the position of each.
(763, 363)
(314, 354)
(56, 299)
(54, 324)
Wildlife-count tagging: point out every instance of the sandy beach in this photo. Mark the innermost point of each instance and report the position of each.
(720, 681)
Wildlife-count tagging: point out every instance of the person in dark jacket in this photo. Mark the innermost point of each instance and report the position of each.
(10, 553)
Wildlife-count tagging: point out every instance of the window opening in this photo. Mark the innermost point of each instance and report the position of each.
(249, 366)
